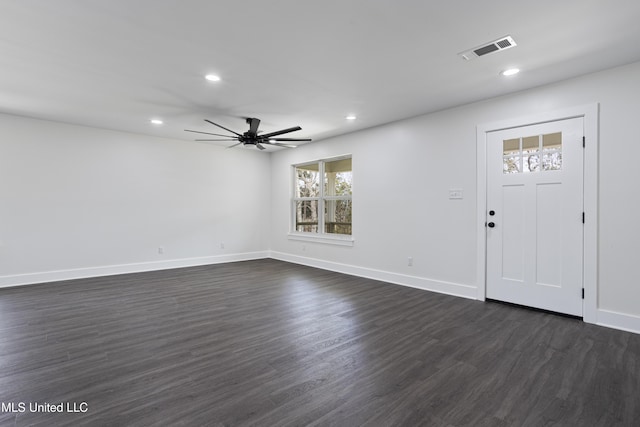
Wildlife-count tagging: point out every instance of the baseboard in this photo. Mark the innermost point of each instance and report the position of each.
(448, 288)
(606, 318)
(110, 270)
(623, 322)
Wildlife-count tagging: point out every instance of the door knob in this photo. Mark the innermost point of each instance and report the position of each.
(492, 213)
(491, 225)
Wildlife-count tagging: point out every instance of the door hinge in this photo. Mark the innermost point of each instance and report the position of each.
(582, 293)
(583, 217)
(584, 142)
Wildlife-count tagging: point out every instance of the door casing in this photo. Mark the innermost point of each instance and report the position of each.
(589, 113)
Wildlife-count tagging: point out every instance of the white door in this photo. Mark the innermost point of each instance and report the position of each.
(535, 215)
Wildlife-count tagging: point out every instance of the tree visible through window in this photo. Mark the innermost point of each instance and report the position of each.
(322, 200)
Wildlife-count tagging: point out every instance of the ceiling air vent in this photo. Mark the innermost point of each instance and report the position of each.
(487, 48)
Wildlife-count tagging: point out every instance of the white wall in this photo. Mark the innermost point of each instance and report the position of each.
(78, 201)
(403, 171)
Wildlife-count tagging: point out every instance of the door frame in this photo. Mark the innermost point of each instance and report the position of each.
(589, 113)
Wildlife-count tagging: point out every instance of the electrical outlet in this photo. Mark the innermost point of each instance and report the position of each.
(221, 245)
(160, 250)
(410, 261)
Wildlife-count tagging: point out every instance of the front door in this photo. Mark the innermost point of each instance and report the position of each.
(535, 215)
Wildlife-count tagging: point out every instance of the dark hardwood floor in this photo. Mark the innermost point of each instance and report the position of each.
(266, 343)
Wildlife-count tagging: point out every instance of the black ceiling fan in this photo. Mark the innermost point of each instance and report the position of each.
(251, 136)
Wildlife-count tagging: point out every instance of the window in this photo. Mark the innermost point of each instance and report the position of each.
(321, 201)
(522, 155)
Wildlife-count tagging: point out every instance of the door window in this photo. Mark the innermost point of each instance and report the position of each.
(532, 153)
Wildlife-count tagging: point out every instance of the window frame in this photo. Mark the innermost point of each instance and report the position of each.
(322, 198)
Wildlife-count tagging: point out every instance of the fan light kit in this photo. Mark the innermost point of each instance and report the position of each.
(251, 136)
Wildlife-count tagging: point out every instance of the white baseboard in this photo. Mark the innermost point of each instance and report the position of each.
(110, 270)
(448, 288)
(621, 321)
(606, 318)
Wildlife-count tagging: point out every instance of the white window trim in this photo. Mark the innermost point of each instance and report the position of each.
(320, 237)
(340, 240)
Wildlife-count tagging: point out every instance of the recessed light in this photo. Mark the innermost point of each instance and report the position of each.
(156, 121)
(212, 78)
(510, 72)
(351, 117)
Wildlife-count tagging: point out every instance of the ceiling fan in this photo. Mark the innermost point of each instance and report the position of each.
(251, 136)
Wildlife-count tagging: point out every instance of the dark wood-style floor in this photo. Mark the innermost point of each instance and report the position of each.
(266, 343)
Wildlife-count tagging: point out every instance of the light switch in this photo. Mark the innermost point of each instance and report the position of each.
(455, 193)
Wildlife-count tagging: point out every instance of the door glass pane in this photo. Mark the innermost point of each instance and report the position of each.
(307, 216)
(337, 178)
(511, 160)
(308, 181)
(337, 219)
(531, 154)
(552, 151)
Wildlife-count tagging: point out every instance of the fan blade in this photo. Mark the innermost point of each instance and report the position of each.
(229, 139)
(234, 145)
(260, 146)
(253, 125)
(289, 139)
(222, 127)
(207, 133)
(280, 132)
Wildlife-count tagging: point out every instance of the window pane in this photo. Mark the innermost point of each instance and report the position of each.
(337, 216)
(530, 143)
(552, 151)
(531, 154)
(511, 161)
(308, 181)
(511, 164)
(307, 216)
(337, 178)
(511, 146)
(531, 162)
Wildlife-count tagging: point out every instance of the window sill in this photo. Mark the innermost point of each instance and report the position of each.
(340, 240)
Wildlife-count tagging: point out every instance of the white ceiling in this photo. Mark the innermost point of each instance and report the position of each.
(117, 64)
